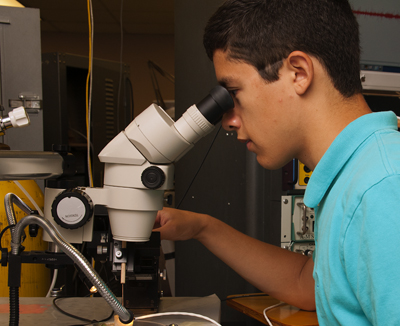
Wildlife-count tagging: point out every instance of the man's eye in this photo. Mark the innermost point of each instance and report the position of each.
(233, 92)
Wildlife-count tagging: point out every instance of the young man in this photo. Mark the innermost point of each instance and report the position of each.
(292, 67)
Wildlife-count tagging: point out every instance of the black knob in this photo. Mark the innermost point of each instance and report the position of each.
(33, 230)
(72, 208)
(153, 177)
(4, 257)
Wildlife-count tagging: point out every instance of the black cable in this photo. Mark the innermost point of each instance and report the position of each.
(132, 96)
(246, 296)
(4, 230)
(198, 170)
(120, 60)
(67, 313)
(88, 321)
(129, 99)
(156, 87)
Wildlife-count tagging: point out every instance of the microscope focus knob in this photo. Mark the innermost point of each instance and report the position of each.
(72, 208)
(153, 177)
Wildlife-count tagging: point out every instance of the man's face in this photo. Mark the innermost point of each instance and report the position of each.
(264, 115)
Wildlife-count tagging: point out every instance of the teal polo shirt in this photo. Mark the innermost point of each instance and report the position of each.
(355, 191)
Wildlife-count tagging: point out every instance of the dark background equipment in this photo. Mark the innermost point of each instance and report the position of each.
(64, 112)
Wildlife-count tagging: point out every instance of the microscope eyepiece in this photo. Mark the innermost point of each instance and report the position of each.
(215, 104)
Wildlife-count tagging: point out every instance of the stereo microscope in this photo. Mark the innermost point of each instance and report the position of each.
(138, 170)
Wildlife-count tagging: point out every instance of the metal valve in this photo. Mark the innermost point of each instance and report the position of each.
(16, 118)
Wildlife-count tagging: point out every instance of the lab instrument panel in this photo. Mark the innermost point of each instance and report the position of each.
(304, 175)
(297, 228)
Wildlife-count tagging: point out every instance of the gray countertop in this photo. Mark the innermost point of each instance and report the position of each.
(40, 311)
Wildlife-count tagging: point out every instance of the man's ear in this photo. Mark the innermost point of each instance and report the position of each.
(302, 68)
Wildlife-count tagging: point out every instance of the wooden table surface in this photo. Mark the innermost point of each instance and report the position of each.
(283, 315)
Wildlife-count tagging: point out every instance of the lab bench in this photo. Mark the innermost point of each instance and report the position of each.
(282, 315)
(41, 311)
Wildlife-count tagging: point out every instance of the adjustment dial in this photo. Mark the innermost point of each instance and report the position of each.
(153, 177)
(72, 208)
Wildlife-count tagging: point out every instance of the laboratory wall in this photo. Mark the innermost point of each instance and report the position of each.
(379, 31)
(137, 51)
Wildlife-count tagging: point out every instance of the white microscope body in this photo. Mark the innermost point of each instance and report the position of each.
(138, 169)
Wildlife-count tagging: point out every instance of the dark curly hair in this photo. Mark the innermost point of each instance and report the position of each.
(264, 32)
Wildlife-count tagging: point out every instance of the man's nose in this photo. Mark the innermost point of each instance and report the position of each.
(230, 120)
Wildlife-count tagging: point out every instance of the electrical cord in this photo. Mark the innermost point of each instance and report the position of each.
(256, 295)
(152, 69)
(141, 318)
(88, 321)
(179, 314)
(149, 322)
(198, 170)
(26, 193)
(55, 273)
(89, 85)
(53, 282)
(3, 231)
(120, 59)
(246, 296)
(131, 97)
(269, 308)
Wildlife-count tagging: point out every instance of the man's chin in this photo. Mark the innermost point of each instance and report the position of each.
(268, 164)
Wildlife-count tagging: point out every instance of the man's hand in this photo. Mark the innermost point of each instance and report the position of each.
(174, 224)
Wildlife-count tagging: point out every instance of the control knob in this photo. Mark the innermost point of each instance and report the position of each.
(72, 208)
(153, 177)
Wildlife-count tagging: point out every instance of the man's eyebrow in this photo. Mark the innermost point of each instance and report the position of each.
(225, 81)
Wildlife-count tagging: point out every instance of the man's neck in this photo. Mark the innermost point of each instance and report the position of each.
(326, 122)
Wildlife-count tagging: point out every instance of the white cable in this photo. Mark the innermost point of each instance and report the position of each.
(41, 214)
(269, 308)
(150, 322)
(179, 314)
(53, 282)
(29, 197)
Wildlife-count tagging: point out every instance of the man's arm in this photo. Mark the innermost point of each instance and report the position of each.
(282, 274)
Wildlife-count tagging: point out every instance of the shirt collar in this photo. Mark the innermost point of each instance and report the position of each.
(338, 153)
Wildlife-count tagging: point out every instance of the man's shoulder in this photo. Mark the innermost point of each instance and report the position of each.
(379, 153)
